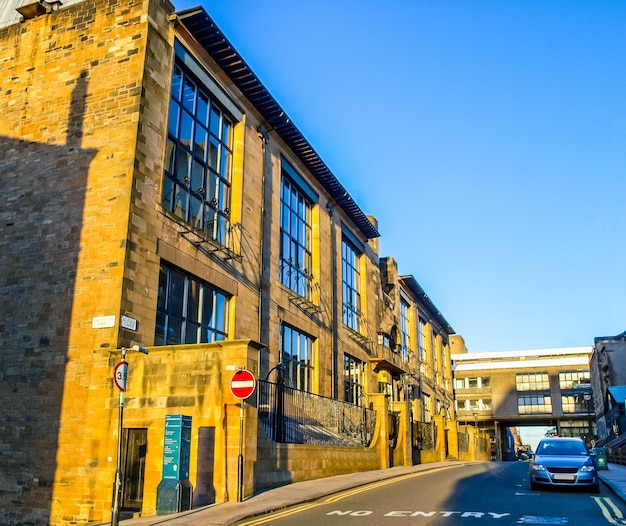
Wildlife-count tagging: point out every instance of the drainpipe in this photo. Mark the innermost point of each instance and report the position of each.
(263, 334)
(333, 299)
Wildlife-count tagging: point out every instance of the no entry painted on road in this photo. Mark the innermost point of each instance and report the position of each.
(242, 384)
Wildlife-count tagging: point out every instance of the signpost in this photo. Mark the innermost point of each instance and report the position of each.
(242, 385)
(120, 375)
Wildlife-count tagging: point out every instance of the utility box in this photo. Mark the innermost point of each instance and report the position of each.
(174, 492)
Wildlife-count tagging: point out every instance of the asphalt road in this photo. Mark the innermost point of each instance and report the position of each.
(480, 494)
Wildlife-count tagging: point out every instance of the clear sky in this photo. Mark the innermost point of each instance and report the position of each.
(487, 137)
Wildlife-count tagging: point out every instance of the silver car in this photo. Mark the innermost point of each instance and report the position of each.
(563, 462)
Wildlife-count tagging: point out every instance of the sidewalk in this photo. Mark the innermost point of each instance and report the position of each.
(615, 478)
(229, 512)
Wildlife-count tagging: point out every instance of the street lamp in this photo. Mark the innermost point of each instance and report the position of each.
(120, 376)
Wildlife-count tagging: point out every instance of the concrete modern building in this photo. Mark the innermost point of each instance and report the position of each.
(608, 376)
(507, 389)
(155, 196)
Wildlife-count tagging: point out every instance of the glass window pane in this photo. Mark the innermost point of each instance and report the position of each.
(174, 331)
(186, 129)
(183, 164)
(176, 294)
(170, 150)
(214, 121)
(201, 142)
(159, 335)
(189, 94)
(177, 82)
(193, 300)
(181, 204)
(172, 121)
(202, 110)
(167, 199)
(197, 178)
(192, 332)
(214, 151)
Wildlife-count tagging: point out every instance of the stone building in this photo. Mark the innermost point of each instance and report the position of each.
(538, 387)
(156, 196)
(608, 373)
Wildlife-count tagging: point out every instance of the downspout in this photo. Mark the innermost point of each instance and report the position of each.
(333, 300)
(263, 328)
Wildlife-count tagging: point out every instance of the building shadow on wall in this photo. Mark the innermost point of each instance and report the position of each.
(42, 193)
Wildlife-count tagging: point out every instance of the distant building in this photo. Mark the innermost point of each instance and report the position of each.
(608, 374)
(542, 387)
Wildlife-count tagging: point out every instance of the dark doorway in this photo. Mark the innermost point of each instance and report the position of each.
(136, 442)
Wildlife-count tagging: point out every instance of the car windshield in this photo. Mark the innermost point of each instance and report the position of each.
(562, 448)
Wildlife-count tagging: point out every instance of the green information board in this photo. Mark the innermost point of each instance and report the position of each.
(174, 492)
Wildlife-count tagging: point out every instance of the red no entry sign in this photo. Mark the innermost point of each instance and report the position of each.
(242, 384)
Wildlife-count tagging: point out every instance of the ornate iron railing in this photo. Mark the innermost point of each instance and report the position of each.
(424, 435)
(297, 417)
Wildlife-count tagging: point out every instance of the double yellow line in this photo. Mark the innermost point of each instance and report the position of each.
(610, 511)
(335, 498)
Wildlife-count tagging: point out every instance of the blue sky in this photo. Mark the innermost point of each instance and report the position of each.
(488, 139)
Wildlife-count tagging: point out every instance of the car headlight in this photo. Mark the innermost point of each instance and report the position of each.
(538, 467)
(586, 469)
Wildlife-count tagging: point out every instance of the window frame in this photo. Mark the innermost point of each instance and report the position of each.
(296, 240)
(297, 357)
(351, 285)
(353, 380)
(198, 166)
(174, 312)
(529, 382)
(406, 327)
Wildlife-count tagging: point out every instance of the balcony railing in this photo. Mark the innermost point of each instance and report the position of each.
(297, 417)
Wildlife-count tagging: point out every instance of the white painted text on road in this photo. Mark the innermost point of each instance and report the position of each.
(463, 514)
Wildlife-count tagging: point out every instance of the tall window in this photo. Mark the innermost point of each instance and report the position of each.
(295, 238)
(405, 328)
(297, 357)
(353, 379)
(350, 278)
(189, 310)
(427, 401)
(198, 159)
(421, 344)
(434, 355)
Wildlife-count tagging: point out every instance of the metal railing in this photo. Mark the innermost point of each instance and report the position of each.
(424, 435)
(297, 417)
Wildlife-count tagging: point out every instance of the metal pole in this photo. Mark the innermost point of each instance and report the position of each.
(240, 458)
(117, 484)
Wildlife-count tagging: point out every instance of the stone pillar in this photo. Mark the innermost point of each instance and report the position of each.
(404, 448)
(380, 405)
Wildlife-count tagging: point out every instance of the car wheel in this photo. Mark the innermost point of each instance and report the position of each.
(595, 488)
(534, 486)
